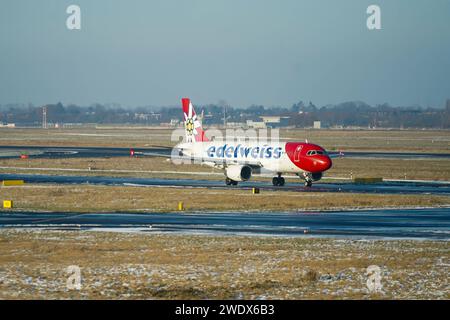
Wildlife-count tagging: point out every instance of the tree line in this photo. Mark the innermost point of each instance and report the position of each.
(347, 114)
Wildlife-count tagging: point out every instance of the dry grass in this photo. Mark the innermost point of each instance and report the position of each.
(116, 163)
(85, 198)
(142, 266)
(86, 137)
(426, 169)
(419, 169)
(346, 140)
(375, 140)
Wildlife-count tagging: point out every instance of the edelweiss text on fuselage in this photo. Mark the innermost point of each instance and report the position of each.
(239, 151)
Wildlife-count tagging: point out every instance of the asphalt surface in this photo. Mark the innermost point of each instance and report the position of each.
(380, 188)
(411, 224)
(87, 152)
(395, 223)
(76, 152)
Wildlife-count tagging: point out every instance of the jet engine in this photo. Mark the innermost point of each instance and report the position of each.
(316, 176)
(238, 173)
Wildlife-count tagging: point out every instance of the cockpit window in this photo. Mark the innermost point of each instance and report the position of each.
(315, 152)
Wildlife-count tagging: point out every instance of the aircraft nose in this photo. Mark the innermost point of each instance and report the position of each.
(323, 163)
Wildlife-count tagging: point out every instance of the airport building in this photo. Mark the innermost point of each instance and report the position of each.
(7, 125)
(269, 122)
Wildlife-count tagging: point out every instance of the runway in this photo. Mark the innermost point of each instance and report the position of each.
(7, 152)
(411, 224)
(347, 187)
(95, 152)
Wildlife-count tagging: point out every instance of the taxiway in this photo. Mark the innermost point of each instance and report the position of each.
(384, 223)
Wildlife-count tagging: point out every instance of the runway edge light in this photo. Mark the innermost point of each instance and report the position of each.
(7, 204)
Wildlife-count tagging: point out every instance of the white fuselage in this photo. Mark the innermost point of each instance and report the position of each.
(270, 156)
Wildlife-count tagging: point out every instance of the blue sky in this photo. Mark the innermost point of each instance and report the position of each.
(245, 52)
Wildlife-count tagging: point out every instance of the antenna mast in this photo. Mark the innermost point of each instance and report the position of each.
(44, 117)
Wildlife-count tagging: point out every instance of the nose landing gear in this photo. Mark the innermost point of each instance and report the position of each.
(308, 179)
(278, 181)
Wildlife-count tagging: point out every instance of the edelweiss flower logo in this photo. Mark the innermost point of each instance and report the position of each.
(191, 122)
(189, 126)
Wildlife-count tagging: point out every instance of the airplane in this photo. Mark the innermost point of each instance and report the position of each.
(240, 160)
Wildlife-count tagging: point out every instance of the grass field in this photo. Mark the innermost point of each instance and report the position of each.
(345, 140)
(84, 198)
(421, 169)
(33, 265)
(334, 140)
(92, 198)
(376, 140)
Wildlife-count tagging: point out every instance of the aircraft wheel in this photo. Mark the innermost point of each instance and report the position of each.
(308, 183)
(278, 181)
(234, 183)
(228, 181)
(275, 181)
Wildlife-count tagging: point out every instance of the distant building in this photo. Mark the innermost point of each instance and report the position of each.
(275, 121)
(235, 124)
(175, 122)
(147, 116)
(256, 124)
(316, 125)
(8, 125)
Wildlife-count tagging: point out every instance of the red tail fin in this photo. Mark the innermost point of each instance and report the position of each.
(192, 125)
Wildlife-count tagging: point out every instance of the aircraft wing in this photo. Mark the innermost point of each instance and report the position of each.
(336, 155)
(199, 160)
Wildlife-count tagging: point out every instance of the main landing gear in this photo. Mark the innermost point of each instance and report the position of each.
(278, 181)
(230, 182)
